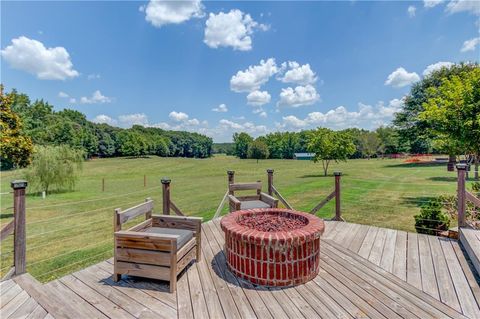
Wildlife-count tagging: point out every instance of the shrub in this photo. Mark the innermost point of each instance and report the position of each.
(431, 219)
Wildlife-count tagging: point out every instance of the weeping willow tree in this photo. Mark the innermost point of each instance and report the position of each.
(55, 167)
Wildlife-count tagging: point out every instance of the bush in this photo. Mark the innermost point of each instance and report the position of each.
(431, 219)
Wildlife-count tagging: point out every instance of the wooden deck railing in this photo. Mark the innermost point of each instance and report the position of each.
(17, 227)
(168, 204)
(463, 195)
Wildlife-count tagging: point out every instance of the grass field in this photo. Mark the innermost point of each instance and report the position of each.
(67, 231)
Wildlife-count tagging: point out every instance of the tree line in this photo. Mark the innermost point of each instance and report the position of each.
(38, 123)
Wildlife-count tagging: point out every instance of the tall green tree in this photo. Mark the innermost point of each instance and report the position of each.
(54, 167)
(330, 146)
(370, 144)
(15, 147)
(258, 149)
(242, 140)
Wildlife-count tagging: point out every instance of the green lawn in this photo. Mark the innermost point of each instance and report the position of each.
(67, 231)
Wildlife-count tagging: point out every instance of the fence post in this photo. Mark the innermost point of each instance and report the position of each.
(231, 179)
(103, 184)
(270, 181)
(461, 169)
(338, 212)
(19, 239)
(166, 195)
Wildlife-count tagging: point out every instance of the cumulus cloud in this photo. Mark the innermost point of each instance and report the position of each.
(456, 6)
(93, 76)
(254, 77)
(63, 95)
(470, 45)
(160, 12)
(436, 66)
(102, 118)
(431, 3)
(33, 57)
(232, 29)
(367, 116)
(96, 98)
(178, 116)
(301, 95)
(128, 120)
(400, 78)
(411, 11)
(248, 127)
(258, 98)
(222, 108)
(263, 114)
(298, 74)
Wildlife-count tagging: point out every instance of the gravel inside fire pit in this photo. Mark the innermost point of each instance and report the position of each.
(271, 223)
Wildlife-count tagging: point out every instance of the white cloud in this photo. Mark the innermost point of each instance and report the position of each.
(248, 127)
(258, 98)
(102, 118)
(254, 77)
(456, 6)
(93, 76)
(296, 73)
(263, 114)
(72, 100)
(178, 116)
(33, 57)
(63, 95)
(400, 78)
(470, 45)
(436, 66)
(127, 120)
(96, 98)
(222, 108)
(411, 11)
(159, 12)
(232, 29)
(366, 116)
(301, 95)
(431, 3)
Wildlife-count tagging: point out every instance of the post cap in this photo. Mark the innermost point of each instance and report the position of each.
(20, 183)
(166, 180)
(337, 173)
(462, 166)
(269, 170)
(230, 172)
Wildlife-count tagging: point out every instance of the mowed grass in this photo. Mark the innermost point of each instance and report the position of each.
(70, 230)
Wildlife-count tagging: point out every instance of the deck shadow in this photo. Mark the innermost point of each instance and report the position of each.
(443, 178)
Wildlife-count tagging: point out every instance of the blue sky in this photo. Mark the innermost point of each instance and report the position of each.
(221, 67)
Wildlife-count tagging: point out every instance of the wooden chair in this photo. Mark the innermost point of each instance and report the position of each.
(159, 247)
(259, 200)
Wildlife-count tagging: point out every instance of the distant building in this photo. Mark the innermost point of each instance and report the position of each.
(303, 156)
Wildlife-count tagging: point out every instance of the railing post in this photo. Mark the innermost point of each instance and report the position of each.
(19, 239)
(231, 179)
(461, 169)
(270, 181)
(166, 195)
(338, 212)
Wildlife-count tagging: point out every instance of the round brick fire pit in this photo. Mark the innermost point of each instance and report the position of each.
(272, 246)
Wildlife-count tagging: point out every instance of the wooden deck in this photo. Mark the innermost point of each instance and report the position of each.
(470, 239)
(366, 272)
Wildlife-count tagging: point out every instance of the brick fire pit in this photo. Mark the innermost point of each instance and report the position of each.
(272, 246)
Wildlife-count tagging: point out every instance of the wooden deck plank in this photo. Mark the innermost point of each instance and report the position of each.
(317, 305)
(9, 295)
(197, 297)
(14, 304)
(470, 239)
(24, 310)
(390, 283)
(388, 254)
(288, 306)
(344, 238)
(184, 308)
(429, 282)
(5, 285)
(465, 296)
(358, 239)
(38, 313)
(472, 281)
(324, 299)
(103, 304)
(377, 248)
(333, 230)
(400, 258)
(367, 244)
(414, 276)
(443, 279)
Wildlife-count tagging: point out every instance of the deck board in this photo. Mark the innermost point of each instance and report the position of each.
(365, 272)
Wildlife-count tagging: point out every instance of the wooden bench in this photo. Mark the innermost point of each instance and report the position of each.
(259, 200)
(159, 247)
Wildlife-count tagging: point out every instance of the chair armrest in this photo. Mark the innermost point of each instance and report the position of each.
(234, 203)
(273, 202)
(179, 222)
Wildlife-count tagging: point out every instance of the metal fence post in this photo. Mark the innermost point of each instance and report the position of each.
(19, 241)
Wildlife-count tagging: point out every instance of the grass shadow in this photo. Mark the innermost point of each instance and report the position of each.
(6, 215)
(319, 175)
(443, 178)
(419, 164)
(418, 201)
